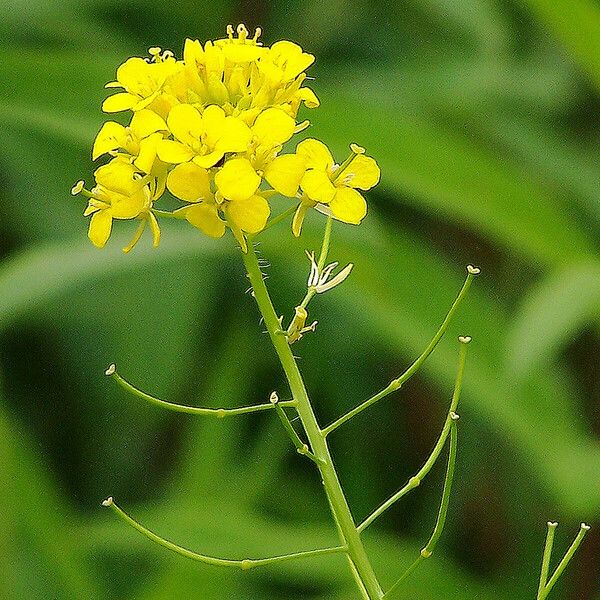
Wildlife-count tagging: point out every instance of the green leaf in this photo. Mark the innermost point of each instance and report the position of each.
(551, 314)
(444, 173)
(38, 552)
(577, 27)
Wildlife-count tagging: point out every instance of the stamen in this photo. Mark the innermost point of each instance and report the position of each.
(242, 32)
(155, 53)
(78, 187)
(357, 149)
(230, 31)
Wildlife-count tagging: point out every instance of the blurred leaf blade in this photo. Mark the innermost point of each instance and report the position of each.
(551, 314)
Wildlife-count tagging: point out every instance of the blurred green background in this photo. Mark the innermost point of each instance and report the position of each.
(483, 115)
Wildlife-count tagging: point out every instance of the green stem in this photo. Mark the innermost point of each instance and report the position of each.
(333, 489)
(427, 551)
(565, 561)
(301, 447)
(546, 558)
(414, 481)
(192, 410)
(277, 219)
(320, 263)
(245, 564)
(400, 381)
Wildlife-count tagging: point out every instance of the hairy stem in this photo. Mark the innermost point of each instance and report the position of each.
(350, 537)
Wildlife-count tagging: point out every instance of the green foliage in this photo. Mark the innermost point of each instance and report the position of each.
(482, 117)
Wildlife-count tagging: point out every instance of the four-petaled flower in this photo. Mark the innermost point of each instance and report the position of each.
(332, 187)
(120, 193)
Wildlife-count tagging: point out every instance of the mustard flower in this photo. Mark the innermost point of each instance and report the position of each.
(333, 188)
(120, 193)
(235, 199)
(203, 138)
(143, 83)
(212, 128)
(273, 128)
(139, 140)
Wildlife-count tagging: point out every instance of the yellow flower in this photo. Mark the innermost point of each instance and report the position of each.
(333, 188)
(271, 130)
(119, 193)
(243, 77)
(203, 138)
(139, 140)
(235, 197)
(212, 128)
(143, 83)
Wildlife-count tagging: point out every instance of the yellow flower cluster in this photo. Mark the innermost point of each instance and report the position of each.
(211, 129)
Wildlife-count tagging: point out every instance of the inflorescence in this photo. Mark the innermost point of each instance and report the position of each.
(210, 129)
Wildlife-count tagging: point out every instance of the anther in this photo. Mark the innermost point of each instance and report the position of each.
(154, 51)
(464, 339)
(257, 33)
(454, 416)
(585, 527)
(303, 450)
(357, 149)
(108, 501)
(552, 524)
(242, 32)
(230, 31)
(473, 270)
(274, 398)
(78, 187)
(112, 369)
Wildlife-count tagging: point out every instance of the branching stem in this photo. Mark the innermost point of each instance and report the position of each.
(350, 537)
(414, 481)
(400, 381)
(427, 551)
(191, 410)
(301, 447)
(562, 565)
(245, 564)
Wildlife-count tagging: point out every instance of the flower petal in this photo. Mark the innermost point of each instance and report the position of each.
(249, 215)
(316, 153)
(237, 180)
(155, 229)
(234, 136)
(317, 186)
(146, 122)
(299, 219)
(174, 152)
(213, 118)
(348, 206)
(285, 172)
(273, 127)
(362, 173)
(100, 228)
(119, 102)
(189, 182)
(185, 123)
(118, 175)
(110, 137)
(147, 154)
(308, 97)
(204, 217)
(210, 159)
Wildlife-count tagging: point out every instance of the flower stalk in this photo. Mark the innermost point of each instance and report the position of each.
(349, 535)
